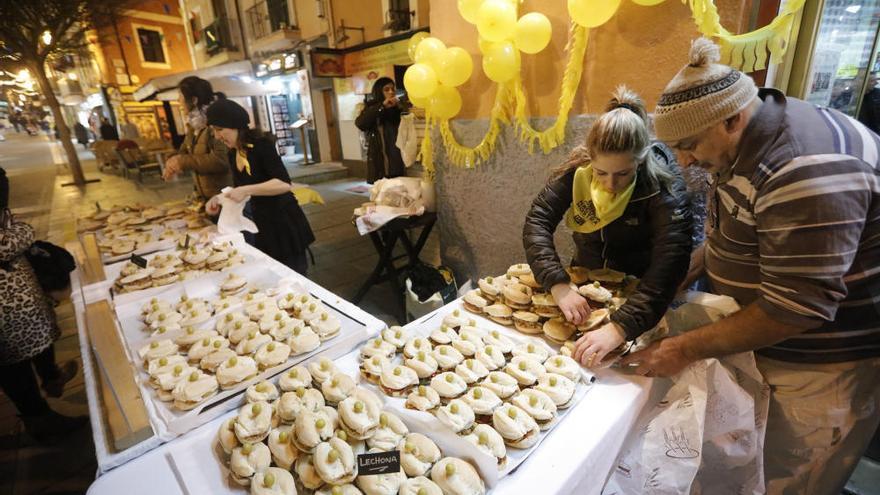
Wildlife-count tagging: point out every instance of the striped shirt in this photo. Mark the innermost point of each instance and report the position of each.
(795, 226)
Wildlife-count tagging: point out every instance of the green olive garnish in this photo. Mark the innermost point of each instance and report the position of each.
(512, 413)
(268, 480)
(247, 448)
(477, 393)
(320, 423)
(358, 407)
(450, 469)
(453, 408)
(194, 376)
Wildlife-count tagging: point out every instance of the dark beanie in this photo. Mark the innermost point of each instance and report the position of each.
(227, 114)
(4, 189)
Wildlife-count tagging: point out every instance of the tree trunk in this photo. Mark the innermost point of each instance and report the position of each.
(63, 131)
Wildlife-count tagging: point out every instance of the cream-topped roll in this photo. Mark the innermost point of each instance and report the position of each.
(241, 330)
(454, 319)
(326, 325)
(292, 404)
(565, 366)
(248, 460)
(422, 399)
(396, 336)
(191, 335)
(457, 415)
(253, 422)
(257, 310)
(378, 347)
(264, 391)
(472, 334)
(195, 317)
(381, 484)
(215, 358)
(359, 418)
(163, 331)
(499, 341)
(164, 364)
(457, 477)
(518, 429)
(321, 370)
(423, 364)
(489, 289)
(193, 390)
(415, 345)
(443, 335)
(491, 357)
(389, 433)
(157, 349)
(501, 383)
(538, 405)
(303, 340)
(335, 462)
(419, 485)
(163, 317)
(482, 400)
(337, 388)
(226, 322)
(596, 292)
(294, 378)
(535, 351)
(271, 354)
(474, 301)
(226, 436)
(225, 303)
(346, 489)
(448, 385)
(236, 370)
(167, 381)
(525, 369)
(310, 429)
(447, 357)
(418, 454)
(284, 453)
(467, 347)
(485, 438)
(273, 481)
(471, 370)
(372, 368)
(559, 388)
(204, 347)
(254, 341)
(311, 312)
(272, 319)
(397, 381)
(306, 472)
(281, 330)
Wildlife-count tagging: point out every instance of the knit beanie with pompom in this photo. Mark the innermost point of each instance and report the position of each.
(702, 94)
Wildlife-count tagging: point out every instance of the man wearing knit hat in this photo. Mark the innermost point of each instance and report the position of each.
(794, 236)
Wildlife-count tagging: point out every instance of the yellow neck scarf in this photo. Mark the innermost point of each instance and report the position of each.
(242, 162)
(592, 207)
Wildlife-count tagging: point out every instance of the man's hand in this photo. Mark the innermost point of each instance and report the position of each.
(390, 102)
(593, 346)
(572, 304)
(173, 167)
(662, 358)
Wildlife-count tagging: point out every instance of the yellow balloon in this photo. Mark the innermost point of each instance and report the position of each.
(419, 102)
(429, 52)
(496, 20)
(592, 13)
(484, 44)
(648, 3)
(533, 32)
(420, 80)
(455, 67)
(468, 9)
(414, 43)
(446, 102)
(501, 62)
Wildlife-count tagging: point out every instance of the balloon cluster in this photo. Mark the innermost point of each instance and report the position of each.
(432, 80)
(503, 36)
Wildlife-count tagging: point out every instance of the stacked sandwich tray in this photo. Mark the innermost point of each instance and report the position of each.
(494, 392)
(197, 344)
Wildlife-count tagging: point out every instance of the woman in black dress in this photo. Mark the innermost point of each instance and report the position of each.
(258, 172)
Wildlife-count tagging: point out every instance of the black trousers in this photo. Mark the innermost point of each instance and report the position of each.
(19, 382)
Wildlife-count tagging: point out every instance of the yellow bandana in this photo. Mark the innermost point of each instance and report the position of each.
(592, 207)
(242, 162)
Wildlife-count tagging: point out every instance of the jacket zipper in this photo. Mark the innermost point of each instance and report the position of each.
(602, 230)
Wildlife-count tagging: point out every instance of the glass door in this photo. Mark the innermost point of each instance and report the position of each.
(842, 55)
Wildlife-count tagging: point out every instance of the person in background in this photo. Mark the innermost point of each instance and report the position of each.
(108, 132)
(870, 112)
(82, 134)
(27, 332)
(379, 120)
(129, 130)
(258, 173)
(794, 237)
(624, 199)
(201, 152)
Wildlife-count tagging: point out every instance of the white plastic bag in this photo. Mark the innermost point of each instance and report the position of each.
(232, 221)
(707, 433)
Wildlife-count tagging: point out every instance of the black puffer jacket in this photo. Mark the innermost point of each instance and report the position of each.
(651, 240)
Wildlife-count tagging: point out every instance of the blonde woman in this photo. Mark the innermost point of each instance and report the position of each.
(625, 201)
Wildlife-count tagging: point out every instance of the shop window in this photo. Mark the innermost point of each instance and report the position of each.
(151, 45)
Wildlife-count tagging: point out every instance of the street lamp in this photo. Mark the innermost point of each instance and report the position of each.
(47, 38)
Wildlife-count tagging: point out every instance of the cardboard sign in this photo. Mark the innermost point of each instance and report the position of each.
(378, 463)
(139, 261)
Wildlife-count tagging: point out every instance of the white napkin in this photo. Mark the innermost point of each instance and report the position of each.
(231, 219)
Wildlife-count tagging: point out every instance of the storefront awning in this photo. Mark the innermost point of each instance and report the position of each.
(231, 87)
(224, 71)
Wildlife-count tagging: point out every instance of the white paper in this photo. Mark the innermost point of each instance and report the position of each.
(232, 219)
